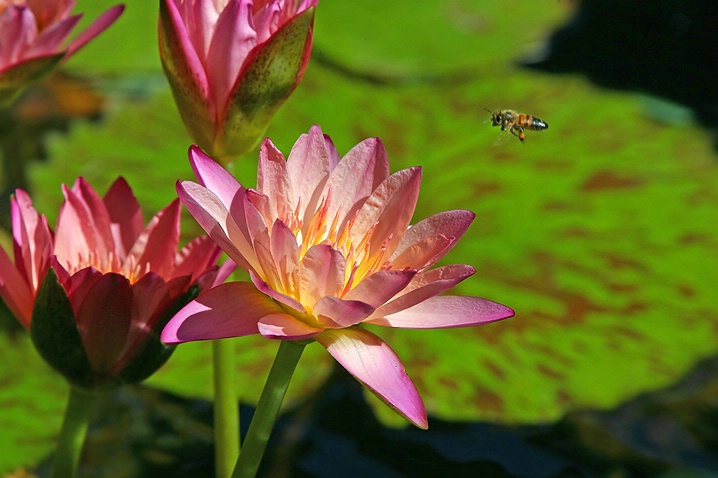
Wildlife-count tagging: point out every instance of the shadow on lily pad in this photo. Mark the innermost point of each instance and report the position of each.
(142, 432)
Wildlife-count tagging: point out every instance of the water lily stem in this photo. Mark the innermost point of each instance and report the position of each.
(226, 408)
(73, 433)
(268, 408)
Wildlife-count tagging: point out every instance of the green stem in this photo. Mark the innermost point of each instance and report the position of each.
(268, 408)
(226, 408)
(72, 435)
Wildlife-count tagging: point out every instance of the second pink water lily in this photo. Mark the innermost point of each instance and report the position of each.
(329, 246)
(232, 63)
(33, 36)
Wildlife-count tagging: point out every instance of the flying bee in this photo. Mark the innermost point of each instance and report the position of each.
(516, 122)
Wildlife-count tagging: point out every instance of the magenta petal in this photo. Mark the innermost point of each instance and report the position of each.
(232, 40)
(446, 311)
(213, 217)
(371, 361)
(228, 310)
(125, 215)
(284, 326)
(50, 39)
(380, 286)
(213, 176)
(184, 68)
(334, 312)
(424, 286)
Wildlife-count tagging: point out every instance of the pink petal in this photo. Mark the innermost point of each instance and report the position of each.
(231, 43)
(232, 195)
(267, 19)
(213, 176)
(267, 266)
(97, 209)
(103, 319)
(16, 23)
(97, 27)
(157, 245)
(308, 167)
(213, 217)
(284, 326)
(249, 217)
(14, 291)
(371, 361)
(424, 286)
(380, 286)
(273, 179)
(322, 273)
(126, 222)
(446, 311)
(33, 243)
(334, 157)
(285, 251)
(228, 310)
(333, 312)
(199, 20)
(83, 226)
(224, 271)
(197, 256)
(448, 224)
(390, 207)
(184, 68)
(424, 253)
(356, 176)
(50, 39)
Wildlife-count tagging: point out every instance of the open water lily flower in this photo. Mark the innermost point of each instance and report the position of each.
(33, 36)
(96, 293)
(232, 63)
(329, 247)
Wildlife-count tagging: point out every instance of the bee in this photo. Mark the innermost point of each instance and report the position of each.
(516, 122)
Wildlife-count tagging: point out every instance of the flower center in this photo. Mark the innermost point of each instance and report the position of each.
(356, 249)
(129, 267)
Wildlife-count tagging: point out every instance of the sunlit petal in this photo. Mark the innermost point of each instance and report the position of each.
(445, 312)
(228, 310)
(371, 361)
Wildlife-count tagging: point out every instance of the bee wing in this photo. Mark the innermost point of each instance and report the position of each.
(501, 138)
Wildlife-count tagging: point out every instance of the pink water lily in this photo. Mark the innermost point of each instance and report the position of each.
(232, 63)
(329, 247)
(33, 36)
(120, 279)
